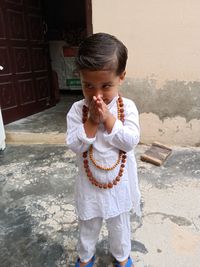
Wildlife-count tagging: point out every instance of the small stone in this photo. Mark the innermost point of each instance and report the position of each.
(53, 209)
(59, 216)
(69, 218)
(68, 207)
(2, 178)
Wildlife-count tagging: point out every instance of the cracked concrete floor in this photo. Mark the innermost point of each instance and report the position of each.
(38, 224)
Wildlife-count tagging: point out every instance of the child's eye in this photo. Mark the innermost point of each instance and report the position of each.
(106, 86)
(88, 86)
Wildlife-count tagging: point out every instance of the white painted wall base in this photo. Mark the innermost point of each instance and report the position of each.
(2, 134)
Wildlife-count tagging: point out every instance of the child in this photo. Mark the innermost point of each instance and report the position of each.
(102, 130)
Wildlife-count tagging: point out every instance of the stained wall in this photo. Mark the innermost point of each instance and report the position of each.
(163, 71)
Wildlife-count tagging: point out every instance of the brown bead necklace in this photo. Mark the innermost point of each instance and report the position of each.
(121, 158)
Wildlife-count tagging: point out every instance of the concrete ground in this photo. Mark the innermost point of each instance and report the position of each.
(47, 127)
(38, 224)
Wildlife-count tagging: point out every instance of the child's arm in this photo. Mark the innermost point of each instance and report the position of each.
(125, 136)
(77, 139)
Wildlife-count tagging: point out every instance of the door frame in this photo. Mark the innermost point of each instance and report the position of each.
(88, 12)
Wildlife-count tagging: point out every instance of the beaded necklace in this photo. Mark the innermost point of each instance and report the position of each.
(121, 158)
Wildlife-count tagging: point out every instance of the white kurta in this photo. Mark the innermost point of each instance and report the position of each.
(90, 200)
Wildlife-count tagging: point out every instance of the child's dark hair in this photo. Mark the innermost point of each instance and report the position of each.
(102, 51)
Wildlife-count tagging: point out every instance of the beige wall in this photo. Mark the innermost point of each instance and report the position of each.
(164, 63)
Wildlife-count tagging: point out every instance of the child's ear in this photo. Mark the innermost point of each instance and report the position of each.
(122, 76)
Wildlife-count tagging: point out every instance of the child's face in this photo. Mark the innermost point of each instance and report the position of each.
(101, 82)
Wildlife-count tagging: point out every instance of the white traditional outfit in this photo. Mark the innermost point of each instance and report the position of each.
(94, 204)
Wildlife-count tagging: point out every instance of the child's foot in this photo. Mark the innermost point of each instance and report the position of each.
(82, 264)
(123, 263)
(127, 263)
(89, 263)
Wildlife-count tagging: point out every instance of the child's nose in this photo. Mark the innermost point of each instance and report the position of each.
(98, 92)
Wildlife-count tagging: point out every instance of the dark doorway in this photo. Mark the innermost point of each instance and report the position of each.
(68, 20)
(67, 24)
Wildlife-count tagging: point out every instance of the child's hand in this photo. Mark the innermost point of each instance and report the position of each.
(102, 108)
(93, 112)
(104, 114)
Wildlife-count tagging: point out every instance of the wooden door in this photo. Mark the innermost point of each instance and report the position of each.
(25, 79)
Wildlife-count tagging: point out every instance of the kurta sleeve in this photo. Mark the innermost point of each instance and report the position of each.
(125, 136)
(76, 138)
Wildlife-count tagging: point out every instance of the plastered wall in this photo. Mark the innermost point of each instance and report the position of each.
(163, 71)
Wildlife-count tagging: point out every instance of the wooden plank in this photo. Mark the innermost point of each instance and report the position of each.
(161, 145)
(156, 154)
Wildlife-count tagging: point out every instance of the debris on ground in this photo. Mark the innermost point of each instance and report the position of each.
(156, 154)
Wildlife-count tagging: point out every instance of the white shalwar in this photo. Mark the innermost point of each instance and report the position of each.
(91, 201)
(119, 233)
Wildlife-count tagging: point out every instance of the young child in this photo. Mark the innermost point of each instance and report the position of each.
(103, 130)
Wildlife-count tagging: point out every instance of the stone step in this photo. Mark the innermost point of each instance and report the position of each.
(28, 138)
